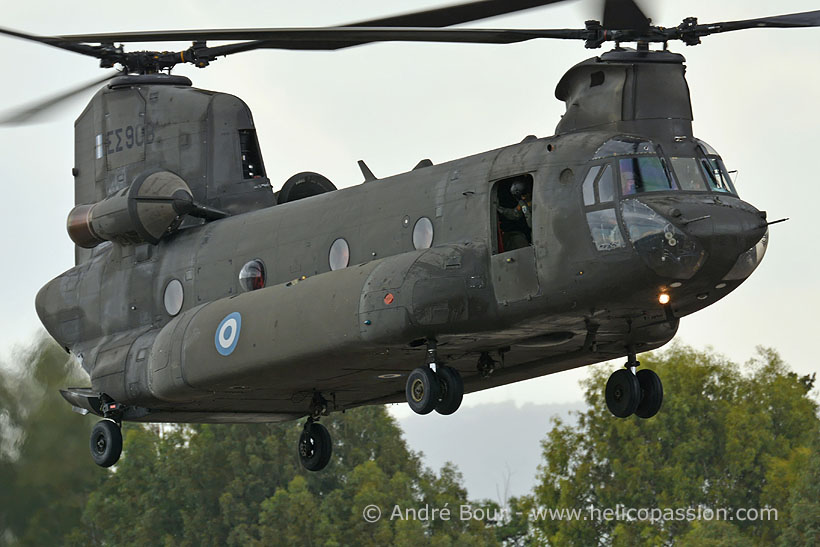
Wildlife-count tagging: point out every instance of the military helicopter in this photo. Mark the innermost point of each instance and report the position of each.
(190, 303)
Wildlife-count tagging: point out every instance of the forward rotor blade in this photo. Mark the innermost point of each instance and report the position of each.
(792, 20)
(334, 38)
(624, 15)
(435, 18)
(29, 114)
(457, 14)
(446, 16)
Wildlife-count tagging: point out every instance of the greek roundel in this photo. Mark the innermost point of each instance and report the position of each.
(227, 333)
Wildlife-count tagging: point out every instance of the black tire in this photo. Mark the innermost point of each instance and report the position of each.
(106, 443)
(623, 393)
(315, 447)
(452, 390)
(651, 394)
(422, 390)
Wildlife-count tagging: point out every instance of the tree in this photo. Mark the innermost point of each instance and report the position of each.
(803, 527)
(44, 469)
(723, 440)
(242, 485)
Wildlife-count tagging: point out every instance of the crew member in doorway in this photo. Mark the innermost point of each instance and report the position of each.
(517, 221)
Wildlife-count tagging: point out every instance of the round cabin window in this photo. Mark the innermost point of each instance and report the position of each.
(174, 295)
(252, 275)
(423, 233)
(339, 256)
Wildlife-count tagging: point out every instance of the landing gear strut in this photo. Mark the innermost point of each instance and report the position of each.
(628, 392)
(441, 389)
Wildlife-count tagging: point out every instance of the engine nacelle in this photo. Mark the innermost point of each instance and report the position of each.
(142, 213)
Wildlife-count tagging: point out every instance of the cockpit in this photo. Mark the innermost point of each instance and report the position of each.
(644, 167)
(615, 190)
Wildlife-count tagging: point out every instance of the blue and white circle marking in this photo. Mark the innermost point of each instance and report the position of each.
(227, 333)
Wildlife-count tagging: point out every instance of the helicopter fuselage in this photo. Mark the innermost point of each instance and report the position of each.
(632, 224)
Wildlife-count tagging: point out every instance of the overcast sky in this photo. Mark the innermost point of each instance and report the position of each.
(755, 94)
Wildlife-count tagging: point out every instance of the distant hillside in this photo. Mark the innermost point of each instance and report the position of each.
(496, 445)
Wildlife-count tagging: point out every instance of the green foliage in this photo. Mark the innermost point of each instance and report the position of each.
(240, 485)
(722, 440)
(804, 516)
(44, 460)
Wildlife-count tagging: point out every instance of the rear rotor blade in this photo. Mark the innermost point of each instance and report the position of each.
(84, 49)
(28, 114)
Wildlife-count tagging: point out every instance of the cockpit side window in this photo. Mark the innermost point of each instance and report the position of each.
(714, 171)
(716, 175)
(599, 189)
(603, 226)
(599, 197)
(606, 186)
(589, 187)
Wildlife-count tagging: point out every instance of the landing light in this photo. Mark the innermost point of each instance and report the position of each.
(664, 299)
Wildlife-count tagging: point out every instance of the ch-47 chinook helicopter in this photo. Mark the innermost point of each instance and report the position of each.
(200, 295)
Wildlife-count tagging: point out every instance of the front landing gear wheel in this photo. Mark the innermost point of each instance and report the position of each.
(315, 447)
(423, 390)
(652, 394)
(623, 393)
(452, 390)
(106, 443)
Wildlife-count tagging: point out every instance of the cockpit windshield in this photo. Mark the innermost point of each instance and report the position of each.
(644, 174)
(648, 169)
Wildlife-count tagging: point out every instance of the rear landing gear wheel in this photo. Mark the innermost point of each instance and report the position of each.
(423, 390)
(623, 393)
(652, 393)
(452, 390)
(315, 446)
(106, 443)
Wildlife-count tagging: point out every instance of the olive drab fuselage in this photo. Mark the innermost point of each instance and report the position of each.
(160, 320)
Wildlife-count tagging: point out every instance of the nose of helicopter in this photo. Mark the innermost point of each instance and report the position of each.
(679, 237)
(726, 230)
